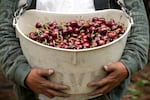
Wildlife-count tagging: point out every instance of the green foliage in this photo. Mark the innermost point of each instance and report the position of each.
(134, 92)
(141, 83)
(134, 98)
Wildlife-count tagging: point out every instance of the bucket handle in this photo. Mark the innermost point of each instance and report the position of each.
(127, 12)
(21, 9)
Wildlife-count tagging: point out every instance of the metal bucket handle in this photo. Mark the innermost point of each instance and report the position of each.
(127, 12)
(23, 7)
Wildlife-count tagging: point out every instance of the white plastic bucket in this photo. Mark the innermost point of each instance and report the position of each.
(74, 68)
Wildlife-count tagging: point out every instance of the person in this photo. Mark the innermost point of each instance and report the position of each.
(28, 82)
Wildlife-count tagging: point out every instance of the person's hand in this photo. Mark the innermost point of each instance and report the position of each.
(37, 81)
(117, 72)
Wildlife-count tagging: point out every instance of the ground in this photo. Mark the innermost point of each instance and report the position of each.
(139, 89)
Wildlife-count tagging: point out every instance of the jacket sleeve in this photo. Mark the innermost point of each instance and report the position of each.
(13, 63)
(135, 55)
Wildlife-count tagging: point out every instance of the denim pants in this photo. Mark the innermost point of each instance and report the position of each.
(102, 97)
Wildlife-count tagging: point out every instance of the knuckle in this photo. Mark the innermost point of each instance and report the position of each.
(39, 71)
(36, 70)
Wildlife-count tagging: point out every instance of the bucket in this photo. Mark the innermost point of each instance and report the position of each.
(74, 68)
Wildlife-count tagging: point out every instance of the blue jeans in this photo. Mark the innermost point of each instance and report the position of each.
(102, 97)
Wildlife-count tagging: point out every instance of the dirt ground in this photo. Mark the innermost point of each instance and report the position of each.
(139, 89)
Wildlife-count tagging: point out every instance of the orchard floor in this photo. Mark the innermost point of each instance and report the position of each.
(139, 89)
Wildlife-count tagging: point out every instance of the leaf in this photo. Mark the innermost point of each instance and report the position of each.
(141, 83)
(134, 98)
(134, 92)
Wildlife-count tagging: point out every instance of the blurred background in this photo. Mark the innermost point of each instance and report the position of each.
(139, 88)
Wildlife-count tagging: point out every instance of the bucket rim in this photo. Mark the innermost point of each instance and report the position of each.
(74, 50)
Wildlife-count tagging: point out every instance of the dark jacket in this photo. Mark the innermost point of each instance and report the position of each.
(16, 67)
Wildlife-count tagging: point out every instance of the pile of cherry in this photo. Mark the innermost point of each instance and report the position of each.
(77, 34)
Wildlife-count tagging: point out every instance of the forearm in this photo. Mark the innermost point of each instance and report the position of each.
(13, 63)
(136, 51)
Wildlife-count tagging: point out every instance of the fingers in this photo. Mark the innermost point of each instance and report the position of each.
(117, 72)
(37, 82)
(48, 95)
(98, 83)
(56, 93)
(53, 85)
(52, 89)
(109, 68)
(104, 86)
(50, 71)
(45, 72)
(102, 90)
(51, 93)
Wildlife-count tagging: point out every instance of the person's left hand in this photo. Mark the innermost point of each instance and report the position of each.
(117, 72)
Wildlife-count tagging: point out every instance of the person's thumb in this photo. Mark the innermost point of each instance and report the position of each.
(108, 68)
(47, 72)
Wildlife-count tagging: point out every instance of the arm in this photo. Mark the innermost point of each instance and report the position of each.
(135, 54)
(12, 61)
(15, 65)
(134, 57)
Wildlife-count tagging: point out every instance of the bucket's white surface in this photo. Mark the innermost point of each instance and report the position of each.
(74, 68)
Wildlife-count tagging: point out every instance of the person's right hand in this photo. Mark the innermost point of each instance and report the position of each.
(37, 81)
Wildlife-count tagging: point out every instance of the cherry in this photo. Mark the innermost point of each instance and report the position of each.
(92, 29)
(69, 29)
(94, 44)
(110, 23)
(50, 38)
(33, 36)
(43, 37)
(111, 35)
(86, 45)
(94, 19)
(76, 30)
(80, 47)
(101, 42)
(119, 31)
(77, 34)
(114, 27)
(55, 32)
(77, 42)
(74, 35)
(102, 20)
(73, 23)
(80, 23)
(64, 31)
(47, 32)
(51, 44)
(103, 30)
(38, 25)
